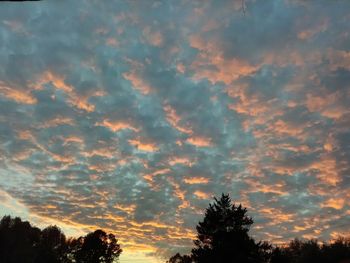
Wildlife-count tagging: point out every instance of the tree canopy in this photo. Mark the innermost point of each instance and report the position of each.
(222, 236)
(96, 247)
(21, 242)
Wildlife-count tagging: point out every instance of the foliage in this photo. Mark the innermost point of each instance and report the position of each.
(52, 245)
(298, 251)
(96, 247)
(178, 258)
(18, 240)
(21, 242)
(222, 236)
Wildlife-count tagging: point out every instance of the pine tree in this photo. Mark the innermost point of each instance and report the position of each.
(223, 237)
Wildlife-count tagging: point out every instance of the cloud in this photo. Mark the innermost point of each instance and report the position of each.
(130, 116)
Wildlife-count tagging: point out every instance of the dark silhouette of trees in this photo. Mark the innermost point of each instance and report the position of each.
(52, 246)
(18, 240)
(21, 242)
(338, 251)
(222, 236)
(298, 251)
(178, 258)
(96, 247)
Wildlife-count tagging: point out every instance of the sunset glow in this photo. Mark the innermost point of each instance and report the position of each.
(131, 115)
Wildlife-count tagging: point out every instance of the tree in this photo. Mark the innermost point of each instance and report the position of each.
(297, 251)
(304, 251)
(21, 242)
(178, 258)
(52, 246)
(222, 236)
(18, 240)
(337, 251)
(96, 247)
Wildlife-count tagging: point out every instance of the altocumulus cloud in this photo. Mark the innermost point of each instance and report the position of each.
(131, 115)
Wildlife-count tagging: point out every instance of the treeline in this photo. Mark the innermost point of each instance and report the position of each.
(20, 242)
(222, 237)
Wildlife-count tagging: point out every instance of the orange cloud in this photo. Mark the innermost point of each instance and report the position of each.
(196, 180)
(180, 68)
(336, 203)
(58, 82)
(103, 152)
(73, 139)
(180, 194)
(57, 122)
(327, 170)
(81, 103)
(174, 119)
(276, 188)
(180, 160)
(285, 128)
(201, 195)
(277, 215)
(149, 177)
(328, 105)
(20, 96)
(211, 64)
(116, 126)
(137, 82)
(248, 104)
(144, 146)
(129, 209)
(199, 141)
(55, 79)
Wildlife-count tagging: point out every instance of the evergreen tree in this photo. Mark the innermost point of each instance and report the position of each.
(223, 237)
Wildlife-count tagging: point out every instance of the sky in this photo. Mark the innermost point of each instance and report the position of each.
(132, 115)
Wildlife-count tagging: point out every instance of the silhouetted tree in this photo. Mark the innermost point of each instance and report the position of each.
(52, 246)
(96, 247)
(178, 258)
(18, 241)
(278, 255)
(22, 243)
(223, 237)
(298, 251)
(264, 251)
(338, 251)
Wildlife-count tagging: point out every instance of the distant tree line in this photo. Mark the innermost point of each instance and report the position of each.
(222, 237)
(20, 242)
